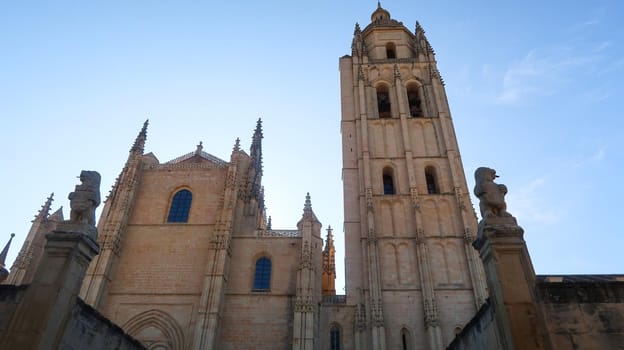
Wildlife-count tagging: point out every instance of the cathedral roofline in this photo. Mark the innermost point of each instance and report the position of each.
(200, 153)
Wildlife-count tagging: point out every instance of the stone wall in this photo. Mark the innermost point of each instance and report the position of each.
(84, 329)
(10, 297)
(479, 333)
(87, 329)
(583, 312)
(336, 313)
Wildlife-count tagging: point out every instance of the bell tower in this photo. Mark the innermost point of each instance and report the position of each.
(411, 271)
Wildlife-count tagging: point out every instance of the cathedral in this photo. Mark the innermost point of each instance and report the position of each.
(186, 257)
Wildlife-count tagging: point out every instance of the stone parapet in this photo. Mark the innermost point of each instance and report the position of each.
(39, 320)
(511, 282)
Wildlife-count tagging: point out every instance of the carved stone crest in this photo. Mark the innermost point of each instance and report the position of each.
(491, 195)
(85, 198)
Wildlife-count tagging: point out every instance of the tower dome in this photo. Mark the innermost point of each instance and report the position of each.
(380, 14)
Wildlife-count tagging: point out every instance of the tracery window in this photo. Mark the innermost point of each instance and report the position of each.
(180, 206)
(262, 277)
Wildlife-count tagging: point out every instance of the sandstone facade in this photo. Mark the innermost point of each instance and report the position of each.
(188, 259)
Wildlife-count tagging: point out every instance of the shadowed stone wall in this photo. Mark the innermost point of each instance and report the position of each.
(583, 312)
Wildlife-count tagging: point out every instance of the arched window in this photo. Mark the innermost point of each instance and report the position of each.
(334, 337)
(413, 99)
(430, 177)
(383, 102)
(390, 50)
(180, 206)
(388, 181)
(262, 277)
(405, 339)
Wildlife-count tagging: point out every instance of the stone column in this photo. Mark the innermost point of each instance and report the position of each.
(39, 321)
(511, 282)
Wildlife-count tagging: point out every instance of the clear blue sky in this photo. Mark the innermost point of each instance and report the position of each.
(535, 89)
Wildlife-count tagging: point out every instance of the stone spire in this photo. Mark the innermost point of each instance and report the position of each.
(422, 45)
(237, 145)
(358, 47)
(132, 163)
(256, 147)
(329, 242)
(329, 265)
(308, 203)
(45, 209)
(139, 143)
(4, 273)
(308, 213)
(308, 287)
(255, 170)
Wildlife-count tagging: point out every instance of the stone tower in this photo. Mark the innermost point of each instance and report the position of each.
(411, 271)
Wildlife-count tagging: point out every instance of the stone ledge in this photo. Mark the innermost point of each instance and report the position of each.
(579, 292)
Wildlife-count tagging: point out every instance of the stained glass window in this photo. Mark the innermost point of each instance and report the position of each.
(262, 278)
(180, 206)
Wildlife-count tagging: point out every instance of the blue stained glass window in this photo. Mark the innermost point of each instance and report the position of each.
(180, 206)
(262, 278)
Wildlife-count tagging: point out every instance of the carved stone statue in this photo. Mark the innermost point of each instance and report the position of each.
(491, 195)
(85, 198)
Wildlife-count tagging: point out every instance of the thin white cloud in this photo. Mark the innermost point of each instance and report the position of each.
(597, 95)
(540, 74)
(591, 159)
(527, 203)
(612, 66)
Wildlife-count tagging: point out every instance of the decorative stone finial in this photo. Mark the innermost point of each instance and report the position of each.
(419, 28)
(5, 251)
(4, 273)
(45, 208)
(237, 144)
(259, 127)
(139, 142)
(380, 14)
(269, 224)
(85, 198)
(308, 203)
(491, 195)
(255, 151)
(200, 147)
